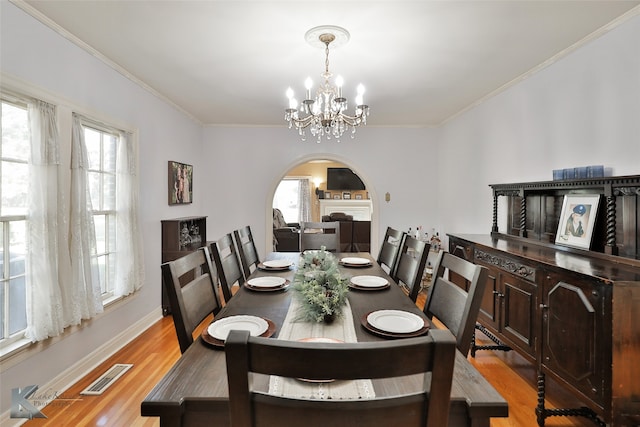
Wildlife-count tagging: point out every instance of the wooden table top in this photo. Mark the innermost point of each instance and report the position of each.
(199, 377)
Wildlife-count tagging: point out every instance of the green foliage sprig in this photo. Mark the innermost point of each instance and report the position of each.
(319, 286)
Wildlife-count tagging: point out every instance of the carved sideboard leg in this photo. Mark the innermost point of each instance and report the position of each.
(543, 413)
(499, 344)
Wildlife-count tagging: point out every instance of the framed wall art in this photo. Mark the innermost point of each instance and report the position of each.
(180, 183)
(577, 220)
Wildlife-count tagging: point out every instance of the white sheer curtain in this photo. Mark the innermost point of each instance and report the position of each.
(45, 312)
(129, 264)
(83, 290)
(304, 200)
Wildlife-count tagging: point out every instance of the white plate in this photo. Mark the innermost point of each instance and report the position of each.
(266, 282)
(277, 263)
(221, 328)
(355, 261)
(369, 281)
(395, 321)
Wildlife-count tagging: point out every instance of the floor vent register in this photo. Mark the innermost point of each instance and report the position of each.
(105, 380)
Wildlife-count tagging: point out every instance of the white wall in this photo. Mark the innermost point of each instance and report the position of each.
(35, 54)
(582, 110)
(398, 161)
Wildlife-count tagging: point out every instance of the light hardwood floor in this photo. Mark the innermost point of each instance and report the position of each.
(156, 350)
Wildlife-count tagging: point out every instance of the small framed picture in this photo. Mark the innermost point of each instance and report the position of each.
(577, 220)
(346, 195)
(327, 194)
(358, 196)
(180, 183)
(336, 197)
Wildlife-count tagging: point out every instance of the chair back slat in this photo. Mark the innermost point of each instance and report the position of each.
(432, 356)
(227, 265)
(456, 308)
(314, 235)
(190, 283)
(411, 262)
(247, 250)
(388, 255)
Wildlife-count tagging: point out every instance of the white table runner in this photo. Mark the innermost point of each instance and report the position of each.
(341, 329)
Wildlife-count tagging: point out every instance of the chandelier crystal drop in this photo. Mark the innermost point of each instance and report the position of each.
(325, 115)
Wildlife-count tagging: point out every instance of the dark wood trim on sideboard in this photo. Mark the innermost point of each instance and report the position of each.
(534, 211)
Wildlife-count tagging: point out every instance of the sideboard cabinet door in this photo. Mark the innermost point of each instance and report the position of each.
(489, 313)
(519, 307)
(576, 346)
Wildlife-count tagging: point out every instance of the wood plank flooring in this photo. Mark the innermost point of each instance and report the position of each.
(156, 350)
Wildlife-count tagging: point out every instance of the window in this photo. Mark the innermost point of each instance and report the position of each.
(293, 198)
(286, 199)
(101, 150)
(40, 299)
(14, 172)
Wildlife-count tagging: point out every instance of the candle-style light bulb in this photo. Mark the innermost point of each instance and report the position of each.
(339, 84)
(360, 96)
(308, 84)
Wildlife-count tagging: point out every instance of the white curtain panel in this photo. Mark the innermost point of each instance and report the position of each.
(129, 258)
(45, 313)
(83, 297)
(304, 200)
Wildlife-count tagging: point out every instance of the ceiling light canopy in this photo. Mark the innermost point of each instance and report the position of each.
(325, 115)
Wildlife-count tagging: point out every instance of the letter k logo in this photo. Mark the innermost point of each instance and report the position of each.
(21, 407)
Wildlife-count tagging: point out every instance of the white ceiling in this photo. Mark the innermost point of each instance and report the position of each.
(422, 62)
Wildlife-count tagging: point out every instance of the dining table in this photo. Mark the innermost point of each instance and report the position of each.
(194, 392)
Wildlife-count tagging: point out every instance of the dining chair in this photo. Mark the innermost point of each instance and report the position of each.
(412, 259)
(431, 355)
(388, 255)
(454, 307)
(247, 250)
(227, 265)
(314, 235)
(190, 283)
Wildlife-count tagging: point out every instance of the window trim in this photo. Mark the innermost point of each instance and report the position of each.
(11, 340)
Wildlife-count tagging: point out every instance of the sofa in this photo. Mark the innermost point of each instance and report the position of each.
(286, 236)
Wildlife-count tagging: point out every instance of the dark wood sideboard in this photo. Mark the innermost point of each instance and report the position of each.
(571, 312)
(181, 236)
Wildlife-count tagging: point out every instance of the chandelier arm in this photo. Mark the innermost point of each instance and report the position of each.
(302, 122)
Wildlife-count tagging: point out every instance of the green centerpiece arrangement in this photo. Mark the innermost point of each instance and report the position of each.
(318, 285)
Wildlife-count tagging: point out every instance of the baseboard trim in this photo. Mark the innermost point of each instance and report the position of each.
(81, 368)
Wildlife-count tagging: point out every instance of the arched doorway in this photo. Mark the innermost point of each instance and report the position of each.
(318, 160)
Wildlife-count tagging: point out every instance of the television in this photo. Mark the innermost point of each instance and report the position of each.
(343, 179)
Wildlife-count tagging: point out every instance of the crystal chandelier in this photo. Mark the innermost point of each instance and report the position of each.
(326, 114)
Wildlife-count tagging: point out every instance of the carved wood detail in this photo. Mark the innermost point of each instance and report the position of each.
(506, 265)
